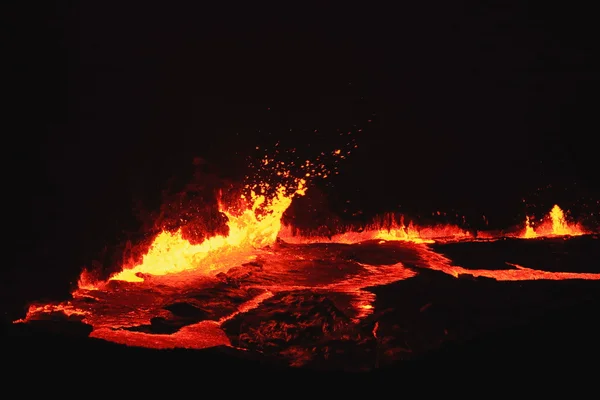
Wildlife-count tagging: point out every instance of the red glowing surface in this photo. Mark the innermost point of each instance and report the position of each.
(260, 258)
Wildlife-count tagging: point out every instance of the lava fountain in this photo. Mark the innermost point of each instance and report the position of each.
(555, 224)
(182, 294)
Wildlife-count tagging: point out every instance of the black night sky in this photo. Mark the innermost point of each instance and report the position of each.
(472, 109)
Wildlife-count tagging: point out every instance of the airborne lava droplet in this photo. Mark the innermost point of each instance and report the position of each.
(182, 294)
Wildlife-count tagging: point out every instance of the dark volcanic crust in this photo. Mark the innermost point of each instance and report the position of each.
(307, 314)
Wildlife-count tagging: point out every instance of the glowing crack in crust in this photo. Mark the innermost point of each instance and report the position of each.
(265, 259)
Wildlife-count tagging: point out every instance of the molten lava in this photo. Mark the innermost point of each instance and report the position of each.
(394, 231)
(181, 294)
(554, 224)
(170, 253)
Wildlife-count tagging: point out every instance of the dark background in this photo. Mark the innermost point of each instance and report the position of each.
(474, 110)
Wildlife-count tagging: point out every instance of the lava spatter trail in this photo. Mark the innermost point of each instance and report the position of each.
(186, 295)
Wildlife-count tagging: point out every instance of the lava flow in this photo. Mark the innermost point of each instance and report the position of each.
(183, 295)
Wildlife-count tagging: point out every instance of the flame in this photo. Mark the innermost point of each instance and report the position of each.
(555, 224)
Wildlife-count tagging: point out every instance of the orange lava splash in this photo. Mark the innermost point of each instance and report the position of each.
(555, 224)
(254, 222)
(386, 229)
(170, 253)
(259, 259)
